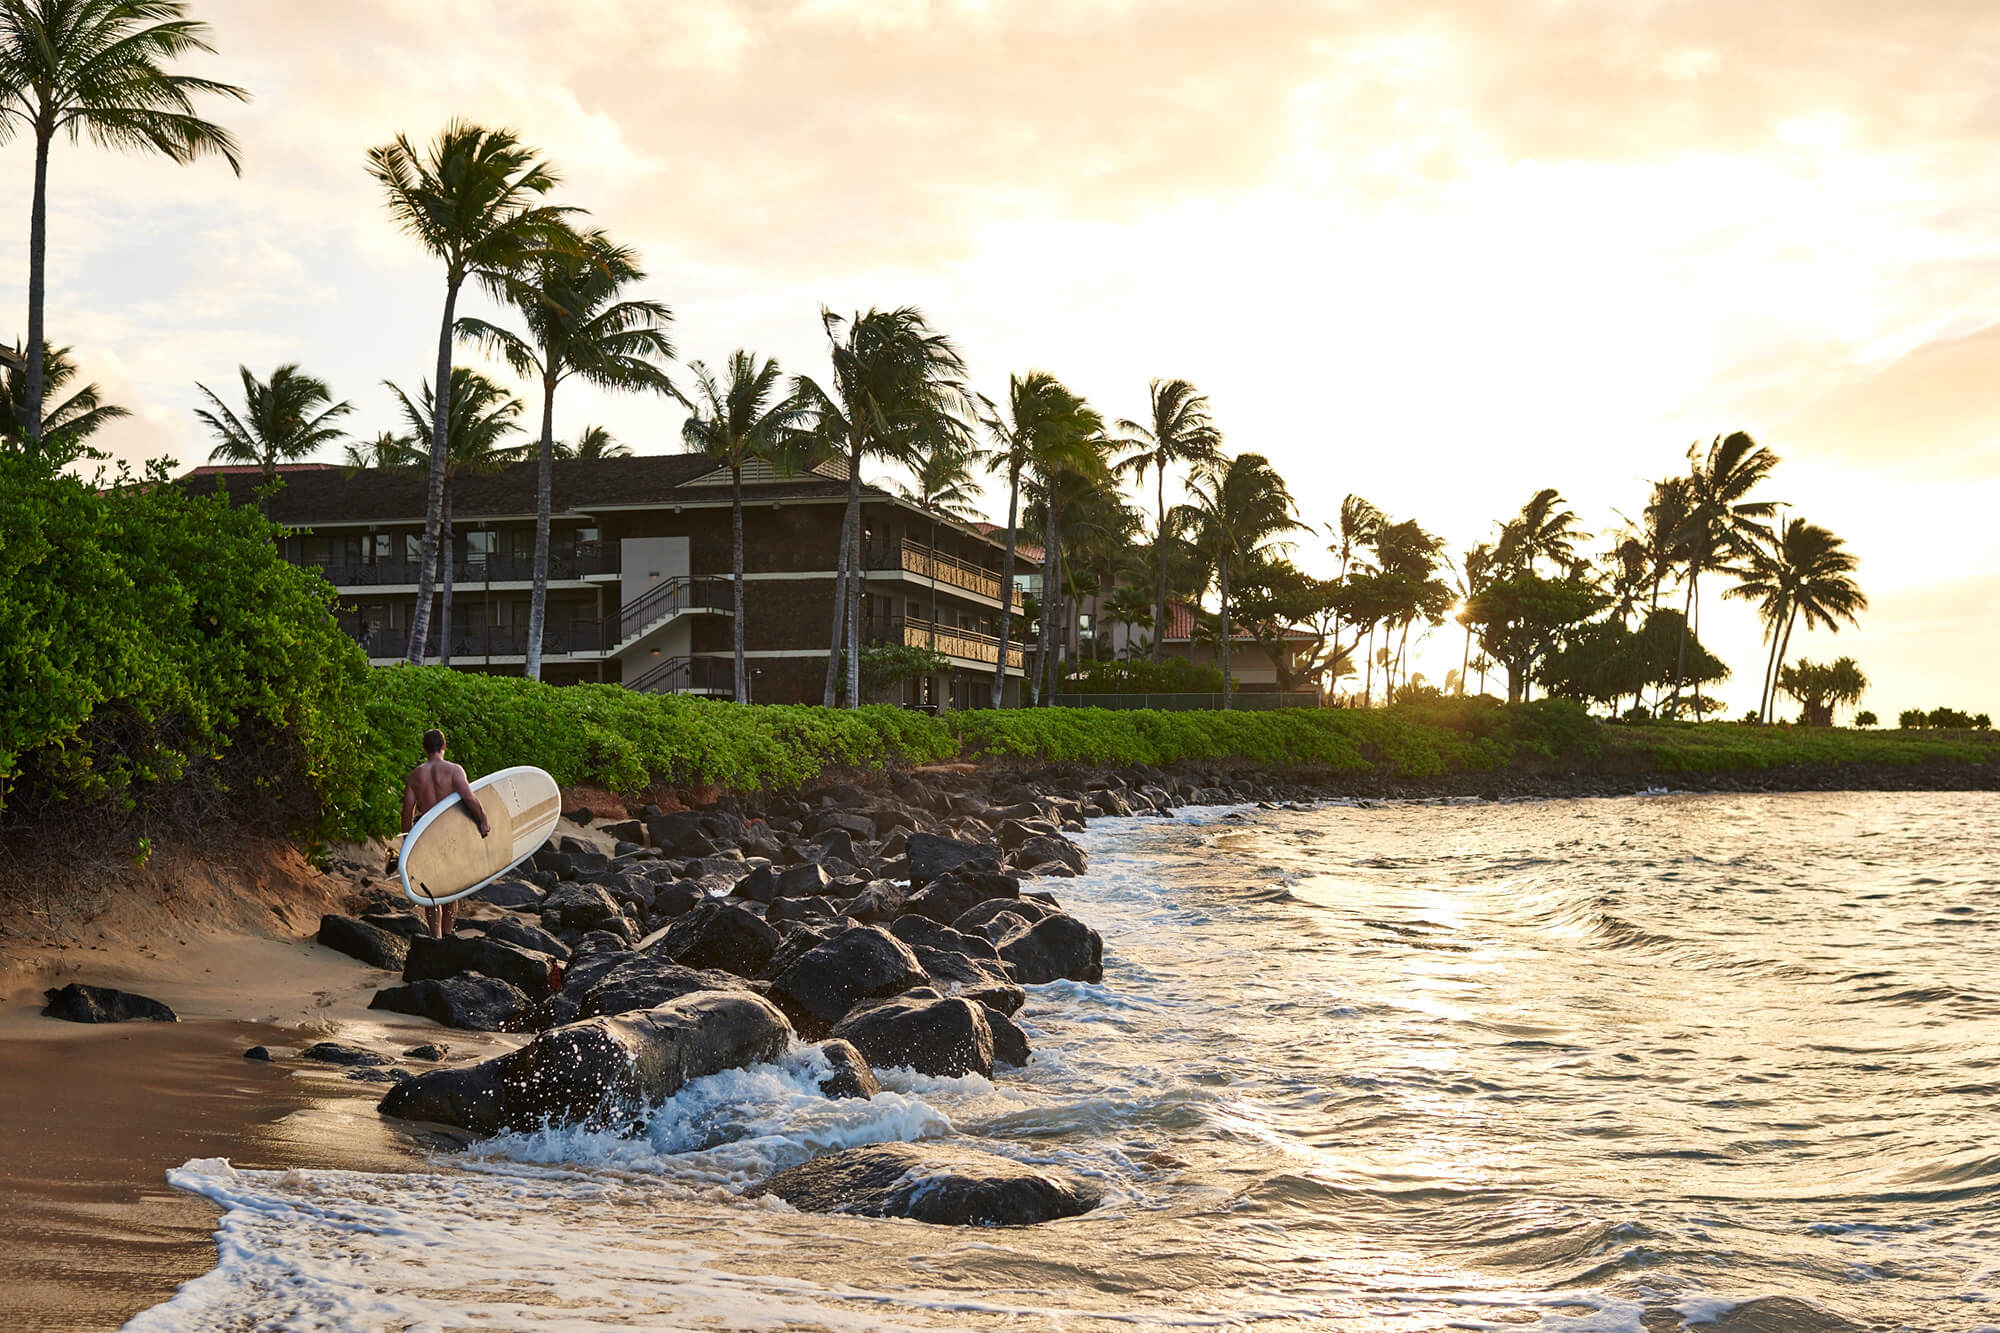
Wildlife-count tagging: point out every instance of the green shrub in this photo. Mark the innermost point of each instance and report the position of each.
(154, 643)
(1174, 675)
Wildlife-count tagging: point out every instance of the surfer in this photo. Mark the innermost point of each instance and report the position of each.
(429, 783)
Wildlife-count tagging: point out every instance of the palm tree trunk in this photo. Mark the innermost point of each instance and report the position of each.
(839, 614)
(38, 253)
(1160, 540)
(1687, 620)
(538, 599)
(1368, 670)
(1051, 597)
(1007, 585)
(434, 495)
(855, 576)
(736, 570)
(1465, 662)
(1228, 686)
(444, 631)
(1766, 699)
(1778, 664)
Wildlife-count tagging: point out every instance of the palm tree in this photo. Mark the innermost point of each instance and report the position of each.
(1474, 571)
(593, 442)
(387, 450)
(577, 329)
(1046, 427)
(286, 417)
(97, 69)
(1239, 508)
(1805, 571)
(1062, 485)
(746, 420)
(76, 418)
(474, 200)
(1179, 430)
(480, 415)
(1721, 520)
(895, 380)
(944, 489)
(1543, 528)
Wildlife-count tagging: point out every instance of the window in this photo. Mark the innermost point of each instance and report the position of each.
(381, 549)
(478, 544)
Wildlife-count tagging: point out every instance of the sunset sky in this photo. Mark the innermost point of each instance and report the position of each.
(1439, 254)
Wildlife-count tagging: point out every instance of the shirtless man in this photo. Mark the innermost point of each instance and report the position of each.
(429, 783)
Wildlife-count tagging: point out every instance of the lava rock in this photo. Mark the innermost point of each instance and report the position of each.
(851, 1076)
(880, 903)
(78, 1003)
(979, 918)
(941, 1183)
(759, 886)
(1044, 850)
(513, 930)
(368, 943)
(578, 907)
(932, 856)
(1010, 1044)
(827, 981)
(914, 930)
(1057, 948)
(807, 910)
(258, 1053)
(342, 1053)
(431, 1051)
(396, 923)
(643, 981)
(512, 894)
(719, 935)
(680, 834)
(529, 970)
(469, 1003)
(808, 879)
(946, 1038)
(601, 1073)
(625, 830)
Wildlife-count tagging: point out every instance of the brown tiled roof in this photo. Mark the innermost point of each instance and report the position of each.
(256, 469)
(1031, 552)
(1180, 625)
(323, 493)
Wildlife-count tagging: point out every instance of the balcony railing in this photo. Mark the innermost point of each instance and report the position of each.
(916, 558)
(680, 675)
(585, 560)
(965, 644)
(473, 642)
(670, 597)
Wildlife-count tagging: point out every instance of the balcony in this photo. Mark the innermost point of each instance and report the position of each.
(916, 558)
(472, 643)
(964, 644)
(586, 560)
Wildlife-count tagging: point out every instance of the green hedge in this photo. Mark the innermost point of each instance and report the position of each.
(608, 736)
(1711, 747)
(1416, 740)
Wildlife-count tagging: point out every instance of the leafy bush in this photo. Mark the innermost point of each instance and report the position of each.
(1910, 719)
(1174, 675)
(153, 643)
(1864, 718)
(611, 737)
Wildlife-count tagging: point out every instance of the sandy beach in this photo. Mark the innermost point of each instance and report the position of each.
(93, 1117)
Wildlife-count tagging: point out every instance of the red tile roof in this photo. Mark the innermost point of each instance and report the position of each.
(1029, 552)
(1180, 626)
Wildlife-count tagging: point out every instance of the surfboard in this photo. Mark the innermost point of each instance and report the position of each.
(443, 856)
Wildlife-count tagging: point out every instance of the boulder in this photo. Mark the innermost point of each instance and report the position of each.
(836, 844)
(513, 930)
(1058, 947)
(851, 822)
(955, 969)
(78, 1003)
(340, 1053)
(625, 830)
(824, 983)
(680, 834)
(946, 1038)
(759, 886)
(1000, 999)
(528, 970)
(881, 902)
(914, 930)
(801, 909)
(471, 1003)
(720, 935)
(1015, 832)
(396, 923)
(578, 907)
(1010, 1044)
(976, 919)
(931, 855)
(601, 1073)
(808, 879)
(942, 1183)
(1046, 849)
(358, 939)
(645, 981)
(431, 1051)
(851, 1076)
(512, 894)
(950, 897)
(757, 839)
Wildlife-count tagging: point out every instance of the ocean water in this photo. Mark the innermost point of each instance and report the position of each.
(1593, 1065)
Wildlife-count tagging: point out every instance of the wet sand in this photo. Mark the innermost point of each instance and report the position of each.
(91, 1121)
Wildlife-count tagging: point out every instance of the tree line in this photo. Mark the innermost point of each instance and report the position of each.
(1609, 626)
